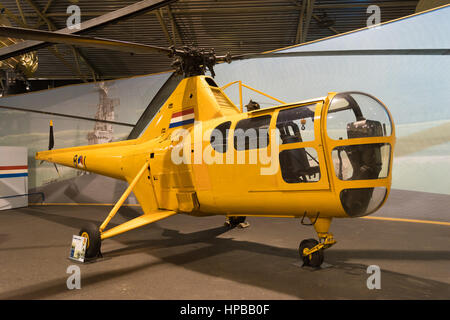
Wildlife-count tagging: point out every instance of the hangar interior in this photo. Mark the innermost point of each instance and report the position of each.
(77, 88)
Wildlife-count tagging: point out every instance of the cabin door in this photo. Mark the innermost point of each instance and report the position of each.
(302, 163)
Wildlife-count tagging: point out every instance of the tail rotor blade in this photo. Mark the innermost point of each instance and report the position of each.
(51, 142)
(51, 138)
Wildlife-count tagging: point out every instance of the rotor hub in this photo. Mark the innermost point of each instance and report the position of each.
(193, 61)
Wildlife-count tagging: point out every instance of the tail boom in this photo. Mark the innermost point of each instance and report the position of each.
(105, 159)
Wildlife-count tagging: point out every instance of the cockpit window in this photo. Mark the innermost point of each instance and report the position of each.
(362, 161)
(300, 165)
(296, 124)
(357, 115)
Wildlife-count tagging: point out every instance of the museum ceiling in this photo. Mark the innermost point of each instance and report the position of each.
(225, 25)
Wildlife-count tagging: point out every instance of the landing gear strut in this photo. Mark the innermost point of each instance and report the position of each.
(311, 250)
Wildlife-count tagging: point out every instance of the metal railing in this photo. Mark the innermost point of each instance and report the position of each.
(253, 89)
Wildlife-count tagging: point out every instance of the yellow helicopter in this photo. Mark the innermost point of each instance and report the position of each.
(201, 155)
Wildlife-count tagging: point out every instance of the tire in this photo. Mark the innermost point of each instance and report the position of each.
(314, 260)
(235, 221)
(92, 233)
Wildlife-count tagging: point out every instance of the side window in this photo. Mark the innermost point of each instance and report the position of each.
(300, 165)
(296, 124)
(219, 137)
(252, 133)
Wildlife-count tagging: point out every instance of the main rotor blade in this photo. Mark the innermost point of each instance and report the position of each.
(83, 41)
(325, 53)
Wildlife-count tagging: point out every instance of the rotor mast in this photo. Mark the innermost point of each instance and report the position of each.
(193, 61)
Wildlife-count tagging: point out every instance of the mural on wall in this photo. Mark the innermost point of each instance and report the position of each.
(103, 132)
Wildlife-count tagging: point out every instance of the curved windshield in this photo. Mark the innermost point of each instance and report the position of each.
(357, 115)
(362, 161)
(362, 201)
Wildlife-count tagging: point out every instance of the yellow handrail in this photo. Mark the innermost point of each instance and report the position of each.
(253, 89)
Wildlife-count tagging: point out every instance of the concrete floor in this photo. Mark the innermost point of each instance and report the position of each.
(185, 257)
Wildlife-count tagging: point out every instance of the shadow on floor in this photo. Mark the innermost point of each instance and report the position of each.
(210, 252)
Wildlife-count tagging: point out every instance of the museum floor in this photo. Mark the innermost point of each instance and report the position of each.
(185, 257)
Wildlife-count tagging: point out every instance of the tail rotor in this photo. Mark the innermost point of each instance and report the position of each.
(51, 144)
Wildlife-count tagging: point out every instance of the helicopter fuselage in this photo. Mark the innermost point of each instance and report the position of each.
(330, 156)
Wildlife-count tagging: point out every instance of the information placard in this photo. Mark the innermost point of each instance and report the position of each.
(78, 248)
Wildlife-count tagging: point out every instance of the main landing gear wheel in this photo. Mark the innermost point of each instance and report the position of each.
(233, 222)
(314, 259)
(92, 233)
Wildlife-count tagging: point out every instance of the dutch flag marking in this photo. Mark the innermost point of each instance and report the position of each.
(182, 118)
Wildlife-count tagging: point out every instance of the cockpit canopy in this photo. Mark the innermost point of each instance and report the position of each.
(354, 115)
(357, 115)
(357, 134)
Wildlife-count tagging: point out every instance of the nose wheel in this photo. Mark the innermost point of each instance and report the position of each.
(314, 259)
(312, 251)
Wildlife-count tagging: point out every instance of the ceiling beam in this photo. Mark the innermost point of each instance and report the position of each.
(301, 18)
(317, 18)
(38, 23)
(175, 30)
(76, 51)
(12, 16)
(19, 7)
(53, 50)
(259, 8)
(114, 16)
(272, 8)
(159, 15)
(309, 12)
(235, 10)
(41, 15)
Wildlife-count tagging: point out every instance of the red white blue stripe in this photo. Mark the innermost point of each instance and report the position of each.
(13, 171)
(181, 118)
